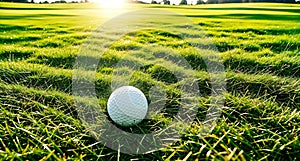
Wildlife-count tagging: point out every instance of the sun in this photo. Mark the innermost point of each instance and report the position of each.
(111, 3)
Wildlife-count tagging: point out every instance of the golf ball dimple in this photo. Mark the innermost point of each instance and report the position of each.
(127, 106)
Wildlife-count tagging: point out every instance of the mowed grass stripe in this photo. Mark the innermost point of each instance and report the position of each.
(247, 55)
(284, 90)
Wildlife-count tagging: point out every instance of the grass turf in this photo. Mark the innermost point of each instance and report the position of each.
(259, 44)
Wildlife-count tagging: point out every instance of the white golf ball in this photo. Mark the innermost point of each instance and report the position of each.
(127, 106)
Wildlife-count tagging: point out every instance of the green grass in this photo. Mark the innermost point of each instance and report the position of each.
(260, 49)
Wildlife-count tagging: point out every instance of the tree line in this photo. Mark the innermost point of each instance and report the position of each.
(169, 2)
(245, 1)
(32, 1)
(185, 2)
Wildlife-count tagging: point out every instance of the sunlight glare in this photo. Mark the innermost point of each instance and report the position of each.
(111, 3)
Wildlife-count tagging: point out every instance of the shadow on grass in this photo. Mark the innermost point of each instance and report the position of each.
(15, 54)
(296, 10)
(267, 31)
(278, 17)
(5, 27)
(36, 8)
(285, 69)
(32, 16)
(8, 40)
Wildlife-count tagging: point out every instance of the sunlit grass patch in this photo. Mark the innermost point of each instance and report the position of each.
(15, 53)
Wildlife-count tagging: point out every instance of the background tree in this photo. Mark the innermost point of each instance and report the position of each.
(166, 1)
(184, 2)
(20, 1)
(200, 2)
